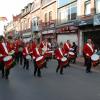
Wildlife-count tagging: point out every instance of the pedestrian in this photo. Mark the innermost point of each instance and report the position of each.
(75, 50)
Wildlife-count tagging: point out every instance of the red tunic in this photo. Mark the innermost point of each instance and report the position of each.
(37, 52)
(59, 53)
(67, 47)
(88, 50)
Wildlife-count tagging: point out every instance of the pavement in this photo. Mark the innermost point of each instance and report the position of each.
(74, 84)
(80, 62)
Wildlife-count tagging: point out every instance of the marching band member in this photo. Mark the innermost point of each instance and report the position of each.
(18, 50)
(26, 56)
(1, 57)
(88, 50)
(67, 46)
(37, 52)
(59, 54)
(6, 51)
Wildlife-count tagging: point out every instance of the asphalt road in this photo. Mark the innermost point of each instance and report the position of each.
(75, 84)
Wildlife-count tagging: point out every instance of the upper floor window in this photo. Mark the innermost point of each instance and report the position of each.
(50, 15)
(72, 11)
(44, 2)
(64, 2)
(97, 5)
(45, 17)
(87, 7)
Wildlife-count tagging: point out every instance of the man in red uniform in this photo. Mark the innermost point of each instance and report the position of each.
(67, 46)
(59, 54)
(1, 57)
(88, 51)
(5, 49)
(26, 52)
(37, 52)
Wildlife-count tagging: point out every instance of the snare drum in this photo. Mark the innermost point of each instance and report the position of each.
(28, 57)
(49, 53)
(95, 59)
(40, 61)
(64, 61)
(71, 55)
(8, 60)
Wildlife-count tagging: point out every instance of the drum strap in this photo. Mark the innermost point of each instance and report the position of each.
(5, 48)
(90, 47)
(37, 51)
(60, 51)
(26, 50)
(67, 45)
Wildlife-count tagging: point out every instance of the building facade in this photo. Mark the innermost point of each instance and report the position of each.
(89, 22)
(66, 27)
(48, 18)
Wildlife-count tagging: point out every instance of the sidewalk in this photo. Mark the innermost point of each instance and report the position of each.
(80, 62)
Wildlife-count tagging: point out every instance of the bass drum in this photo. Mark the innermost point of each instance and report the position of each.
(95, 59)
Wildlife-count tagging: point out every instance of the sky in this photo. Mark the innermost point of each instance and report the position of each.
(9, 8)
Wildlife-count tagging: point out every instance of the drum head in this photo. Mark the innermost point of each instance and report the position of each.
(71, 53)
(95, 57)
(7, 58)
(64, 59)
(39, 58)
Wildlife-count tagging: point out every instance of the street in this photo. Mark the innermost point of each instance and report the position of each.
(75, 84)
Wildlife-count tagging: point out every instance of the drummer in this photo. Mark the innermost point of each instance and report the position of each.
(1, 57)
(26, 52)
(5, 49)
(37, 52)
(67, 48)
(88, 50)
(59, 54)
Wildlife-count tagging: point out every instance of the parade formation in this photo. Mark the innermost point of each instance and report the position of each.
(14, 51)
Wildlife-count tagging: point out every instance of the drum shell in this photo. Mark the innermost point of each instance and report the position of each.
(8, 63)
(71, 56)
(63, 63)
(95, 63)
(40, 63)
(48, 54)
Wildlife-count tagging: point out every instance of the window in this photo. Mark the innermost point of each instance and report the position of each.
(72, 11)
(87, 8)
(50, 15)
(64, 2)
(97, 5)
(44, 2)
(45, 18)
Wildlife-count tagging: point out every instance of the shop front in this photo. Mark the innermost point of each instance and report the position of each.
(67, 33)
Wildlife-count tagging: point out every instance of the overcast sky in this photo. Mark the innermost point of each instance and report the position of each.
(9, 8)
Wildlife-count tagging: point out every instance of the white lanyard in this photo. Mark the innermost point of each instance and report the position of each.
(5, 48)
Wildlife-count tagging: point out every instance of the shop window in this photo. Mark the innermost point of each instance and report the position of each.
(97, 5)
(87, 8)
